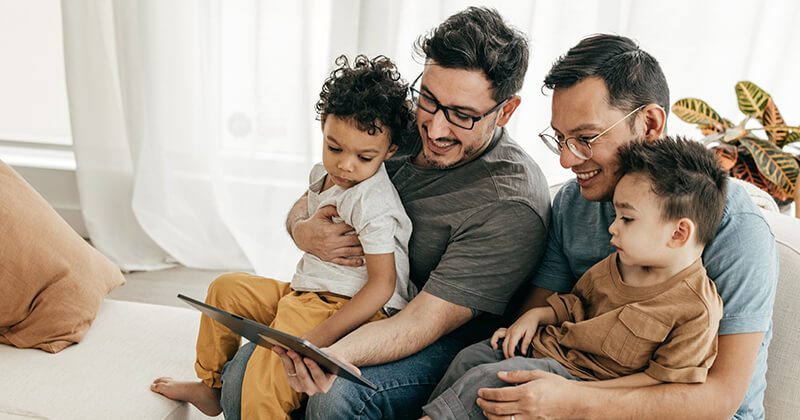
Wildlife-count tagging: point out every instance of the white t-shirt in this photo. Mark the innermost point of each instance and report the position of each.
(373, 208)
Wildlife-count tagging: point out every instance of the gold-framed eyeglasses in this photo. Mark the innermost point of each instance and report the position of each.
(580, 146)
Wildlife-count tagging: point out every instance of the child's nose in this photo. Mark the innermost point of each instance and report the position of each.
(346, 165)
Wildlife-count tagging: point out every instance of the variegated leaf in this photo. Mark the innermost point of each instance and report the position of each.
(776, 165)
(772, 118)
(727, 154)
(791, 138)
(752, 99)
(746, 170)
(695, 111)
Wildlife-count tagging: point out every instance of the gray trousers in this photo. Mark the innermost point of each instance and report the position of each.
(474, 368)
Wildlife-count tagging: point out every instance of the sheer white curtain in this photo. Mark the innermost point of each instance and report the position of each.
(193, 121)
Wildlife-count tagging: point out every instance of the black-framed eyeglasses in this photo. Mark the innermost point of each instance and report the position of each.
(581, 146)
(455, 117)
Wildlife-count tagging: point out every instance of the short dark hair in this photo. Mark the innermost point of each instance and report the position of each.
(632, 76)
(479, 39)
(685, 176)
(371, 94)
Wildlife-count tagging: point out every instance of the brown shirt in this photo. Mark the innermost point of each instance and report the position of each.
(606, 328)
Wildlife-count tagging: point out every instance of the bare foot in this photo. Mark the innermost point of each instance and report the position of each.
(200, 395)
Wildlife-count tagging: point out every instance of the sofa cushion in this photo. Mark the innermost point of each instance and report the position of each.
(107, 375)
(783, 362)
(51, 281)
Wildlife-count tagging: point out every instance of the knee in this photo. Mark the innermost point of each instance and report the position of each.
(343, 400)
(225, 287)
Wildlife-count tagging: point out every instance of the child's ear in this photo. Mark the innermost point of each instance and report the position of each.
(683, 233)
(391, 151)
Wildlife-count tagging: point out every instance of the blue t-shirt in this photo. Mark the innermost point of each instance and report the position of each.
(742, 260)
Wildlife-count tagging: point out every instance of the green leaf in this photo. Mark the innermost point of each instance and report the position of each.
(791, 138)
(752, 100)
(695, 111)
(774, 164)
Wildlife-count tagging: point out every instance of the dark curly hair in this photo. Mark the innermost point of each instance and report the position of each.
(479, 39)
(371, 94)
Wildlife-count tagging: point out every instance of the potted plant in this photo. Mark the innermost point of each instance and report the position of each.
(772, 164)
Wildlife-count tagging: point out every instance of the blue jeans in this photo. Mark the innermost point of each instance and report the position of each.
(403, 386)
(232, 378)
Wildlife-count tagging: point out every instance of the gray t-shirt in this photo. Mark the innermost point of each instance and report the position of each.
(480, 229)
(742, 260)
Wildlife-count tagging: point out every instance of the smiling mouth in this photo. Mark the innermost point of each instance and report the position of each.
(440, 146)
(586, 175)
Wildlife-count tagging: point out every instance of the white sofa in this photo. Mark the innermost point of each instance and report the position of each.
(107, 375)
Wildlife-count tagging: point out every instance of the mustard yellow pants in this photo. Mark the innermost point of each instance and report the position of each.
(266, 393)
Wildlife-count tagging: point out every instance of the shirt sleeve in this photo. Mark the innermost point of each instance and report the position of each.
(554, 271)
(490, 255)
(565, 306)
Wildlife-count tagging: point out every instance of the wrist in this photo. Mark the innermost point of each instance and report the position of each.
(295, 231)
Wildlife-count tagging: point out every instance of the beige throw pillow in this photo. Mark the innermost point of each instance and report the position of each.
(51, 281)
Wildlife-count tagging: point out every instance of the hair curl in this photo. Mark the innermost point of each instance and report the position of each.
(685, 176)
(371, 94)
(479, 39)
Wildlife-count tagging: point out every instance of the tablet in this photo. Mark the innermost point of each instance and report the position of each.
(268, 337)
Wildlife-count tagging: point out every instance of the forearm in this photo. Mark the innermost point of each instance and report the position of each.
(544, 314)
(299, 212)
(718, 397)
(636, 380)
(422, 322)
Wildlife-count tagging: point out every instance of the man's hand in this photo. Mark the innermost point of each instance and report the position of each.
(304, 374)
(328, 241)
(539, 394)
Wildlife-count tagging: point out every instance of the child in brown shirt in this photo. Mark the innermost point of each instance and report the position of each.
(646, 314)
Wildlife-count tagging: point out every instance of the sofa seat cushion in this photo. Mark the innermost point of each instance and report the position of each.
(108, 374)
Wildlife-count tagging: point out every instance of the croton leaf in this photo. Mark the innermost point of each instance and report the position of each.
(727, 154)
(791, 138)
(772, 118)
(752, 100)
(746, 170)
(774, 164)
(695, 111)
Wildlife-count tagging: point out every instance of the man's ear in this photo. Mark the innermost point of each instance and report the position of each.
(391, 151)
(684, 230)
(655, 121)
(508, 109)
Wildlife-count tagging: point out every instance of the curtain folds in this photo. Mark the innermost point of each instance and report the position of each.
(193, 122)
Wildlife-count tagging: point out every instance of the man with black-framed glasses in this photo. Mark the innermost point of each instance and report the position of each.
(607, 92)
(479, 207)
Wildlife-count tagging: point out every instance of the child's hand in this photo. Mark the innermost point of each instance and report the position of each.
(500, 333)
(522, 329)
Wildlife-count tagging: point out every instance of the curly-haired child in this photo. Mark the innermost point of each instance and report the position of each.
(365, 117)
